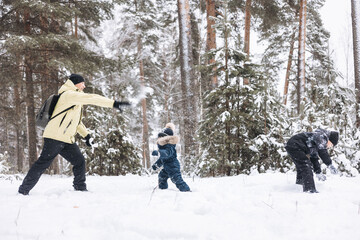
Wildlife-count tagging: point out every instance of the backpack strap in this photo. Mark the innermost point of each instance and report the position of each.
(62, 110)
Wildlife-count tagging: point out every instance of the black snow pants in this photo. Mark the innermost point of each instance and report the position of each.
(51, 149)
(304, 168)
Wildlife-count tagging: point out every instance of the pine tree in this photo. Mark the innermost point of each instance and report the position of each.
(247, 32)
(244, 129)
(113, 152)
(37, 43)
(188, 79)
(211, 42)
(237, 117)
(141, 54)
(355, 8)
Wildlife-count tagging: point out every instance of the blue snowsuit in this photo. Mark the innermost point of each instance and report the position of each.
(168, 159)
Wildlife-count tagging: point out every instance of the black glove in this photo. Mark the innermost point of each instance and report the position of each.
(154, 167)
(88, 139)
(121, 105)
(155, 153)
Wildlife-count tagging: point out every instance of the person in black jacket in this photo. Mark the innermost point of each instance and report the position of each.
(305, 149)
(168, 159)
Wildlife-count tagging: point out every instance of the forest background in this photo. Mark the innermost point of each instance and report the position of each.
(186, 61)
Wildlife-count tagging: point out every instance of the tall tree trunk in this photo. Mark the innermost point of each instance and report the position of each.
(301, 55)
(17, 99)
(247, 33)
(166, 94)
(45, 58)
(355, 11)
(288, 69)
(48, 84)
(74, 30)
(44, 85)
(188, 80)
(55, 83)
(227, 156)
(76, 27)
(145, 139)
(211, 40)
(19, 146)
(52, 80)
(6, 127)
(30, 103)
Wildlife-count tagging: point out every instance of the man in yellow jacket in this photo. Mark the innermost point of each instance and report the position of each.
(59, 134)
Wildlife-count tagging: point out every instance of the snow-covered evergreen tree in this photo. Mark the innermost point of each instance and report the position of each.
(114, 151)
(4, 168)
(326, 104)
(41, 48)
(237, 119)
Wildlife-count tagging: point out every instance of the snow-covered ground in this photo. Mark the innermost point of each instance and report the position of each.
(261, 206)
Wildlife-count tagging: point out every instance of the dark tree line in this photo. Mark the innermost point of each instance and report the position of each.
(196, 58)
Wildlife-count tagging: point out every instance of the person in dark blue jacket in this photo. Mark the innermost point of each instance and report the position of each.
(305, 149)
(168, 159)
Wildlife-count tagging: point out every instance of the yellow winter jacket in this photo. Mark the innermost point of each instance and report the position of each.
(65, 126)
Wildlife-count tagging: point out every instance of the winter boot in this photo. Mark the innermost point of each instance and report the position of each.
(78, 188)
(312, 191)
(23, 192)
(299, 179)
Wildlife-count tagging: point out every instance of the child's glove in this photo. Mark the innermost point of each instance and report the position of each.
(333, 170)
(155, 153)
(321, 177)
(154, 167)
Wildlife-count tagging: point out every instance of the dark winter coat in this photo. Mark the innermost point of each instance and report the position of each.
(171, 166)
(313, 144)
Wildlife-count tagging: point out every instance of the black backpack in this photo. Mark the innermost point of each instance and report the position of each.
(47, 109)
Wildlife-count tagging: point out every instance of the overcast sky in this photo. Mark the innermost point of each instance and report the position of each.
(336, 16)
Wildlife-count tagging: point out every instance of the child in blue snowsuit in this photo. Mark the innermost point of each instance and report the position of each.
(168, 159)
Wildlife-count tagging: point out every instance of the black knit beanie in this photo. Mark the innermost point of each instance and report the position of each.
(334, 137)
(76, 78)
